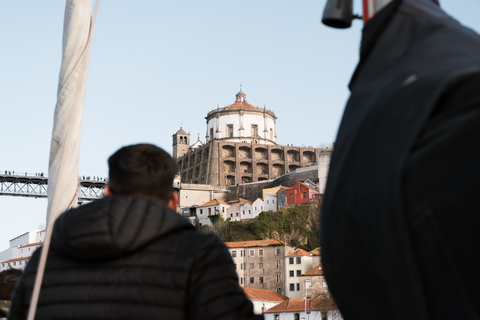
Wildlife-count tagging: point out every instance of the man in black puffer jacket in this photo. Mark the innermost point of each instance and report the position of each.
(129, 256)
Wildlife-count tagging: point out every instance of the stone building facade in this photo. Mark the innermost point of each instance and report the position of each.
(260, 264)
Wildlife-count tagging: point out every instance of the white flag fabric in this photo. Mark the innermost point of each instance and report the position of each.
(63, 181)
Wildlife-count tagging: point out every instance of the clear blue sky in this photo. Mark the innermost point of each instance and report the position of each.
(156, 65)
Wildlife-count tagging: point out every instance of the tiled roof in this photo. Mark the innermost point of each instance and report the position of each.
(254, 243)
(292, 305)
(241, 105)
(17, 259)
(316, 252)
(32, 244)
(264, 295)
(213, 202)
(239, 200)
(317, 271)
(299, 252)
(307, 186)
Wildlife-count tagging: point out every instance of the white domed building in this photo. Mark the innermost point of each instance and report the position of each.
(241, 122)
(240, 148)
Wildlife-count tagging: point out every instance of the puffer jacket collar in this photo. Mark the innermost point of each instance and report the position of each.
(113, 227)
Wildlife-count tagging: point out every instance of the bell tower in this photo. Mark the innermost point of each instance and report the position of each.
(181, 143)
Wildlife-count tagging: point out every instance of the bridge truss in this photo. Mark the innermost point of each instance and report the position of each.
(36, 187)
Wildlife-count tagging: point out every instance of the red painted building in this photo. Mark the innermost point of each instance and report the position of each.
(301, 193)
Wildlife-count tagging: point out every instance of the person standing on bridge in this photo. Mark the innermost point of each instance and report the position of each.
(130, 256)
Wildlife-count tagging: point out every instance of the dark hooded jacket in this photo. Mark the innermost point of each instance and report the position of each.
(400, 213)
(128, 258)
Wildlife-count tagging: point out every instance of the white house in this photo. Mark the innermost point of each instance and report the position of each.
(263, 299)
(215, 207)
(238, 209)
(21, 249)
(296, 309)
(296, 263)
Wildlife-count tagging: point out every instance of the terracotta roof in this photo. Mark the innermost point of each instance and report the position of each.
(299, 252)
(241, 105)
(32, 244)
(317, 271)
(309, 187)
(17, 259)
(213, 202)
(239, 200)
(264, 295)
(316, 252)
(254, 243)
(299, 305)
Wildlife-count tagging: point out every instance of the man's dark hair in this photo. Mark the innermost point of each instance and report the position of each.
(8, 279)
(142, 170)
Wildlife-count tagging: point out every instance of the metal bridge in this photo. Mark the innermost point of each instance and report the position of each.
(36, 186)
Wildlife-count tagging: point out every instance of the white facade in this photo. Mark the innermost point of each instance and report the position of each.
(310, 315)
(21, 249)
(270, 203)
(296, 263)
(242, 122)
(211, 208)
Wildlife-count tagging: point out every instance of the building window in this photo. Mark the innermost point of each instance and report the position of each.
(241, 280)
(201, 211)
(254, 130)
(325, 284)
(291, 196)
(242, 253)
(279, 264)
(260, 252)
(299, 260)
(292, 273)
(241, 266)
(290, 260)
(249, 211)
(229, 130)
(231, 215)
(243, 212)
(277, 251)
(292, 286)
(296, 316)
(268, 201)
(304, 195)
(299, 272)
(237, 214)
(252, 252)
(273, 201)
(298, 286)
(252, 265)
(252, 280)
(223, 209)
(260, 266)
(279, 278)
(209, 211)
(260, 279)
(234, 253)
(277, 316)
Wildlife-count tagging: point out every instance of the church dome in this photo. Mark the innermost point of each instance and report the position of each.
(241, 103)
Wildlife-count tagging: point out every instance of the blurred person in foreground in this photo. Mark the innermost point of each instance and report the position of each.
(8, 280)
(400, 215)
(131, 256)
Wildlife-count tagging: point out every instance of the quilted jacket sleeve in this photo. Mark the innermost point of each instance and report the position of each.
(214, 290)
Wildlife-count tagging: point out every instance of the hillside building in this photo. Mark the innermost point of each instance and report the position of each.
(241, 147)
(260, 263)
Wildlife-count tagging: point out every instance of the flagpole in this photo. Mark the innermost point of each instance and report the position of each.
(68, 114)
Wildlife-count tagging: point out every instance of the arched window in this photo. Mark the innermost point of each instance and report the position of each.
(181, 139)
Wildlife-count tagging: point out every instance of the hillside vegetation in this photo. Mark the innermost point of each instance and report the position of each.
(297, 226)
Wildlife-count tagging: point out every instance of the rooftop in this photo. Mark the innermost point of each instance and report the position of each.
(213, 202)
(299, 305)
(264, 295)
(299, 252)
(254, 243)
(317, 271)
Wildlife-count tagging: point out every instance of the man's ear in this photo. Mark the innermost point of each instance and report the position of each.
(172, 203)
(108, 191)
